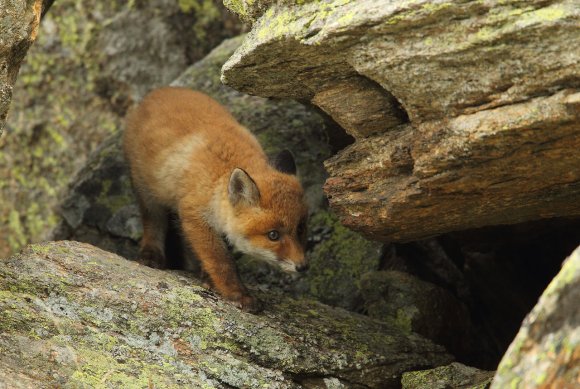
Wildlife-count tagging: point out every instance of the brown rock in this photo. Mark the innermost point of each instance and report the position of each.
(507, 165)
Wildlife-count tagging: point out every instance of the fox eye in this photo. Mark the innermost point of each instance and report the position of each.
(273, 235)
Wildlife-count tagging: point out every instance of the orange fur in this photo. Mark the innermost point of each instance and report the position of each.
(182, 147)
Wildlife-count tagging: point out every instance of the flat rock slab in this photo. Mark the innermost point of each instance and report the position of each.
(508, 165)
(76, 316)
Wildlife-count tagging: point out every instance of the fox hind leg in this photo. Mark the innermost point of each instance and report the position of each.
(155, 219)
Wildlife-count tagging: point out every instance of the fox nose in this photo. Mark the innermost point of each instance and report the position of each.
(302, 268)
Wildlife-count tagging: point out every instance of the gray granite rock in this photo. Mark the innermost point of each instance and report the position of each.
(76, 316)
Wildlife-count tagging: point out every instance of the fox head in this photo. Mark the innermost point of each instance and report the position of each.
(269, 214)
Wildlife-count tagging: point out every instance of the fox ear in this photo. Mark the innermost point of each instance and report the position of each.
(242, 189)
(284, 162)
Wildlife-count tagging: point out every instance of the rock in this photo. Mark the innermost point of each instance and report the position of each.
(19, 21)
(464, 113)
(413, 305)
(455, 375)
(546, 351)
(498, 273)
(426, 55)
(92, 60)
(503, 166)
(100, 207)
(74, 315)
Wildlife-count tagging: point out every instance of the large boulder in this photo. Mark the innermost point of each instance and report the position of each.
(464, 112)
(546, 351)
(77, 316)
(91, 61)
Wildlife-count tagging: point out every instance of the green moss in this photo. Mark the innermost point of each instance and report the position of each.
(427, 9)
(39, 248)
(114, 202)
(206, 13)
(100, 370)
(404, 320)
(279, 22)
(18, 316)
(338, 262)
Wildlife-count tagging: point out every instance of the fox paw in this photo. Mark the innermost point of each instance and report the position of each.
(152, 257)
(248, 303)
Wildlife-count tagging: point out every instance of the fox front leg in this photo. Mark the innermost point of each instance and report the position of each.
(217, 263)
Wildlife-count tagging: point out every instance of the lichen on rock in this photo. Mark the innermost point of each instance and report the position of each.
(79, 316)
(455, 375)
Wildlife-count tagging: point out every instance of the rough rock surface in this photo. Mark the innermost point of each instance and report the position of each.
(465, 113)
(19, 21)
(414, 305)
(503, 166)
(546, 351)
(455, 375)
(91, 61)
(77, 316)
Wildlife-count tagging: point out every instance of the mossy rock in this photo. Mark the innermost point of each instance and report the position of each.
(77, 316)
(415, 305)
(455, 375)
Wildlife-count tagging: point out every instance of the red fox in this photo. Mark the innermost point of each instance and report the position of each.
(187, 154)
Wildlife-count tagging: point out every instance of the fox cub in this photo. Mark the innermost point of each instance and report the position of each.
(188, 155)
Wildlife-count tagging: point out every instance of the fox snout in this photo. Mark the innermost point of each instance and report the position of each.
(297, 264)
(302, 267)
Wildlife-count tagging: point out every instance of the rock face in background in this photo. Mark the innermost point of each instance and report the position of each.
(19, 22)
(414, 305)
(78, 316)
(546, 351)
(465, 114)
(92, 61)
